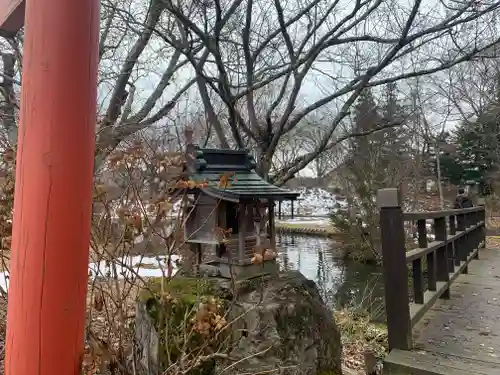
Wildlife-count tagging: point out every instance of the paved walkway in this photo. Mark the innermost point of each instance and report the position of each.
(460, 336)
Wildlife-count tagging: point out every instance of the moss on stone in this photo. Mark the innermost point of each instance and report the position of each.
(173, 306)
(177, 286)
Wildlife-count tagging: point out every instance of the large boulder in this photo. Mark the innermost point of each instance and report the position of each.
(276, 325)
(284, 325)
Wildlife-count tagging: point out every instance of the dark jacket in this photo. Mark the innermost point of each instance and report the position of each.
(462, 201)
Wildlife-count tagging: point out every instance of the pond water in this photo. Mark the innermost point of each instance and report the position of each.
(342, 283)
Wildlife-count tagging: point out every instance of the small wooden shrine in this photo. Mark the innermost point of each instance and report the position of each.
(230, 220)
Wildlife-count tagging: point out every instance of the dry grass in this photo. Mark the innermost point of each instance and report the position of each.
(110, 315)
(493, 242)
(103, 341)
(359, 335)
(307, 228)
(493, 222)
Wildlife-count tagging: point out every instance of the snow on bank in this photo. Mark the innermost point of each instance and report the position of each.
(126, 267)
(313, 201)
(305, 221)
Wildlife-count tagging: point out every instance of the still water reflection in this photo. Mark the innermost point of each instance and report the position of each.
(341, 283)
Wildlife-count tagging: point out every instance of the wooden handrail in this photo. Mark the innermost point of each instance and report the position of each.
(459, 234)
(416, 215)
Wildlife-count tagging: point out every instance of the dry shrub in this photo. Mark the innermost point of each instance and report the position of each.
(137, 227)
(359, 335)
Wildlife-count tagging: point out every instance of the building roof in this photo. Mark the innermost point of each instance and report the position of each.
(230, 175)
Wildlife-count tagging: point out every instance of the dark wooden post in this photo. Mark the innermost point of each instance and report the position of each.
(242, 231)
(418, 283)
(482, 217)
(475, 234)
(272, 231)
(442, 254)
(199, 258)
(395, 271)
(291, 205)
(430, 257)
(452, 253)
(462, 241)
(279, 209)
(467, 238)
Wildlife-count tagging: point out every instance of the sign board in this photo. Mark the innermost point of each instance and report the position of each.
(11, 16)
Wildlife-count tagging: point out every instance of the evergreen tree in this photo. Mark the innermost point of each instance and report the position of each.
(378, 156)
(477, 151)
(450, 168)
(375, 161)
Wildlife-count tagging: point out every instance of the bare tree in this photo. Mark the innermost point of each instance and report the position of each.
(306, 139)
(334, 48)
(467, 90)
(141, 78)
(269, 66)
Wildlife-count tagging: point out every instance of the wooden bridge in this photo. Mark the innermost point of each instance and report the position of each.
(442, 298)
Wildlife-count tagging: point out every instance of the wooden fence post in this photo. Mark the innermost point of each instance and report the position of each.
(482, 217)
(442, 270)
(461, 243)
(395, 269)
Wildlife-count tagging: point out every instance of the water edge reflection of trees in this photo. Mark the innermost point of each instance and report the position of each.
(342, 283)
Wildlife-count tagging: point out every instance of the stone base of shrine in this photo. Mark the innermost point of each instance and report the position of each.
(242, 269)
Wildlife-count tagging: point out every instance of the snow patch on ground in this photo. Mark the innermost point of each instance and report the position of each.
(305, 221)
(127, 267)
(313, 202)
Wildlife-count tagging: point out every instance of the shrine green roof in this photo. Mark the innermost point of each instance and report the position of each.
(230, 175)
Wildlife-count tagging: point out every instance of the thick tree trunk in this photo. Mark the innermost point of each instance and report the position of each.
(263, 165)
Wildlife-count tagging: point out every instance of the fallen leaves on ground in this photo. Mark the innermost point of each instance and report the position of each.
(358, 336)
(493, 222)
(493, 242)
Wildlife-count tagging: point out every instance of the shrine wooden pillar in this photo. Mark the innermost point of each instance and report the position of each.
(54, 177)
(242, 229)
(271, 225)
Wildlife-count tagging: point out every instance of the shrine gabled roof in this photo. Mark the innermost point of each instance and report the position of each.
(230, 175)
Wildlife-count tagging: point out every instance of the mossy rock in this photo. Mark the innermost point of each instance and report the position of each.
(286, 318)
(184, 312)
(186, 288)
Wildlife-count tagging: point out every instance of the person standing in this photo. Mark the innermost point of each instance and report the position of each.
(462, 200)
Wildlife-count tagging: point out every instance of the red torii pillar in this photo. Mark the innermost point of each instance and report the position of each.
(52, 210)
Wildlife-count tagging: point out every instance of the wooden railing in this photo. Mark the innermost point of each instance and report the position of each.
(458, 236)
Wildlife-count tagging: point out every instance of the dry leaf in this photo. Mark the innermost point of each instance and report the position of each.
(257, 259)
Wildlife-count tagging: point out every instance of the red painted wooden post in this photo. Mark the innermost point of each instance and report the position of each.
(52, 210)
